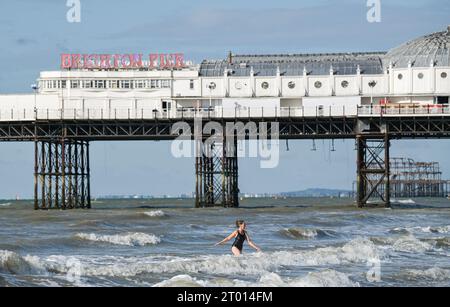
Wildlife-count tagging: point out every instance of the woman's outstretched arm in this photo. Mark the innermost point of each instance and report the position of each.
(250, 242)
(227, 238)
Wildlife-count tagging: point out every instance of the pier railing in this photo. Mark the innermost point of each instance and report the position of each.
(221, 112)
(404, 110)
(175, 114)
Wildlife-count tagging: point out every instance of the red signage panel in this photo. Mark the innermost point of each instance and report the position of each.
(125, 61)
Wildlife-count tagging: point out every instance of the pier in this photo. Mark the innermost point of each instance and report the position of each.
(62, 138)
(373, 98)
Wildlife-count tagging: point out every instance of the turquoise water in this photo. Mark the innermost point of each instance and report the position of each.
(305, 242)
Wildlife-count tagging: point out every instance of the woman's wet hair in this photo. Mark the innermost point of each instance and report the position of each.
(239, 223)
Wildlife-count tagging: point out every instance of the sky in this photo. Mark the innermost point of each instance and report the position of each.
(35, 32)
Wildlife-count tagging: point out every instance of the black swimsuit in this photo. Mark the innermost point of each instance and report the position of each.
(239, 241)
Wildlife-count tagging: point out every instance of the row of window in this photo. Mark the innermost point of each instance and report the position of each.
(106, 84)
(420, 75)
(265, 85)
(344, 84)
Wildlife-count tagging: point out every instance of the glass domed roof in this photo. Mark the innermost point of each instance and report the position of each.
(432, 49)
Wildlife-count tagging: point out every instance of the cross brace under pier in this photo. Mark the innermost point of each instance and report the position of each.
(62, 174)
(216, 168)
(373, 184)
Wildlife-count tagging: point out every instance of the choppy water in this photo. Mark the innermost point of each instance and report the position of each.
(305, 242)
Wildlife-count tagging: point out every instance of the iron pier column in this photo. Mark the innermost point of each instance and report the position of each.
(373, 170)
(216, 166)
(61, 174)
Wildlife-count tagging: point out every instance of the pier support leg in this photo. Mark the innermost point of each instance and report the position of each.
(373, 182)
(61, 174)
(216, 169)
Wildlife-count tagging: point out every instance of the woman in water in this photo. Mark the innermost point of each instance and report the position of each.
(239, 235)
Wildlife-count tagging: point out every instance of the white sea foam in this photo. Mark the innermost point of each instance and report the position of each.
(404, 201)
(181, 281)
(258, 269)
(5, 205)
(356, 251)
(13, 263)
(130, 239)
(326, 278)
(410, 244)
(155, 213)
(437, 229)
(435, 274)
(424, 229)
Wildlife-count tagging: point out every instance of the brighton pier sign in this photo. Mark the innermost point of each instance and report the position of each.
(122, 61)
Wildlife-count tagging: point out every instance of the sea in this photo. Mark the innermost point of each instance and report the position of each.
(305, 242)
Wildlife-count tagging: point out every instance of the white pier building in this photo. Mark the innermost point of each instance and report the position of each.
(412, 78)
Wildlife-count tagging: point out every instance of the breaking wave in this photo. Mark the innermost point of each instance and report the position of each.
(303, 233)
(404, 201)
(258, 269)
(356, 251)
(405, 243)
(438, 229)
(182, 281)
(425, 229)
(327, 278)
(13, 263)
(5, 205)
(411, 244)
(155, 213)
(432, 274)
(441, 242)
(129, 239)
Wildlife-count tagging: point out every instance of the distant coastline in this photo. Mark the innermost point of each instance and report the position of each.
(307, 193)
(312, 192)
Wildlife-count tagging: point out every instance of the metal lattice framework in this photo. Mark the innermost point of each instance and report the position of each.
(216, 174)
(217, 182)
(416, 179)
(373, 170)
(62, 174)
(289, 128)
